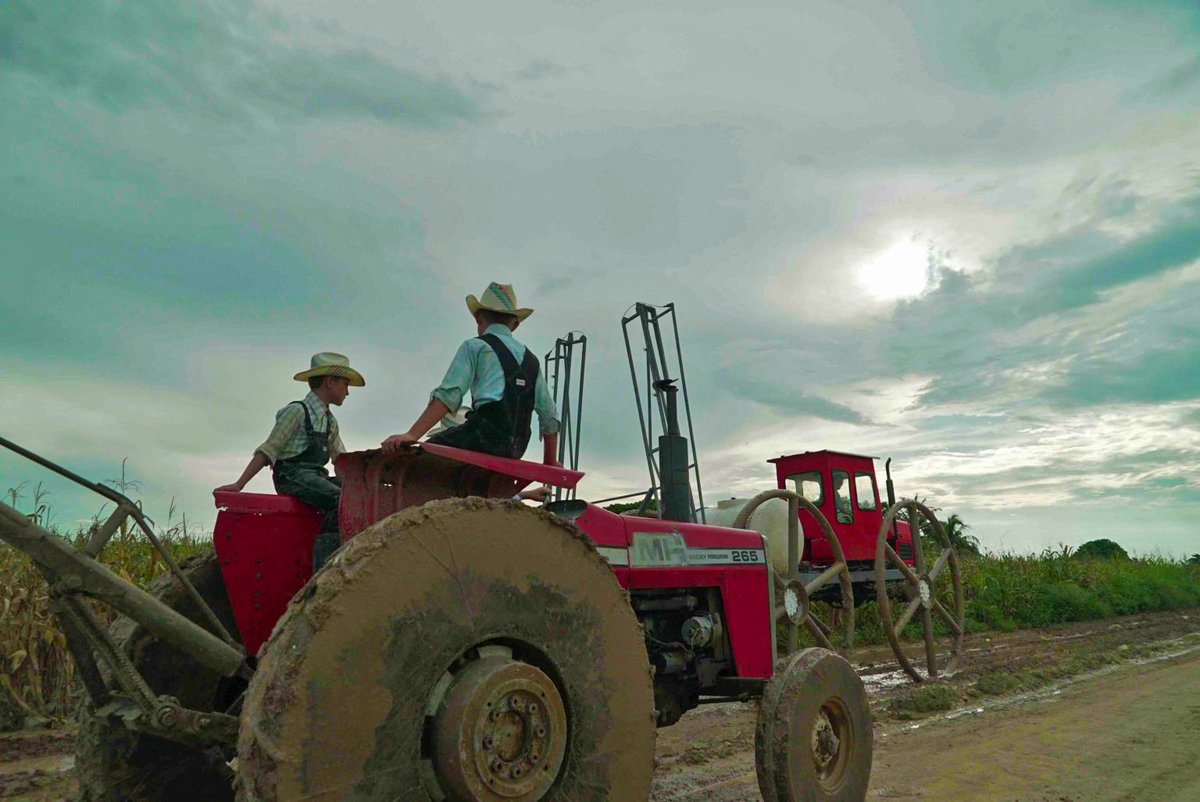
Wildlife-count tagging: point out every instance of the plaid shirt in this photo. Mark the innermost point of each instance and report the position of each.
(288, 439)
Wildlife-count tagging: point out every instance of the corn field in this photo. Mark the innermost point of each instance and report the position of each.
(37, 676)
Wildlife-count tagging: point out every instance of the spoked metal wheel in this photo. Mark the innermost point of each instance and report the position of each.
(921, 590)
(467, 650)
(813, 741)
(792, 595)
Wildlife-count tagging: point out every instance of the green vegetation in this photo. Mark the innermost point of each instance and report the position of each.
(632, 506)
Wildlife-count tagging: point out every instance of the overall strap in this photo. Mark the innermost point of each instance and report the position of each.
(507, 363)
(530, 366)
(308, 426)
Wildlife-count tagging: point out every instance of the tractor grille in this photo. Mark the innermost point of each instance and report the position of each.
(905, 551)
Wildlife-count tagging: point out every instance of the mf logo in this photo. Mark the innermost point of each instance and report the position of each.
(658, 549)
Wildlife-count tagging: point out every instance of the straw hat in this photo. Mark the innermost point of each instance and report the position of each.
(328, 363)
(498, 298)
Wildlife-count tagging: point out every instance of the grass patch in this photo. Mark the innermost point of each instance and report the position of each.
(924, 700)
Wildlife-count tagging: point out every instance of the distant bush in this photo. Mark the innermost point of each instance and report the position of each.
(1102, 549)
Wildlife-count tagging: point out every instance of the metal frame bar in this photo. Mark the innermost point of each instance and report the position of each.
(649, 317)
(560, 367)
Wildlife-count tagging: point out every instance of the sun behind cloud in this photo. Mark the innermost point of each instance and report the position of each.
(901, 271)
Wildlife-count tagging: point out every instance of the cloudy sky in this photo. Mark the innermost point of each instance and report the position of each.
(964, 235)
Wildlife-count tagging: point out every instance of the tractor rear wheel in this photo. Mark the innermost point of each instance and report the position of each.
(467, 649)
(813, 741)
(117, 764)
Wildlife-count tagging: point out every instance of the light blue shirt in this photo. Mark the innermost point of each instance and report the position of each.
(477, 368)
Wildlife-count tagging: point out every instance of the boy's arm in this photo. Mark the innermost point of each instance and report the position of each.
(444, 400)
(548, 425)
(256, 464)
(432, 414)
(286, 421)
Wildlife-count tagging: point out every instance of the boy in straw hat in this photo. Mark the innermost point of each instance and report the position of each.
(505, 382)
(304, 439)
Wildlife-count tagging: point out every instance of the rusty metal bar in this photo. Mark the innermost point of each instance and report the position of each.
(214, 624)
(99, 538)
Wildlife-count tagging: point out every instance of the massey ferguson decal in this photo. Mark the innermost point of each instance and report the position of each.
(669, 549)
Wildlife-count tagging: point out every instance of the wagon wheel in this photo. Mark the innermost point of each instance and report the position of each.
(920, 587)
(793, 595)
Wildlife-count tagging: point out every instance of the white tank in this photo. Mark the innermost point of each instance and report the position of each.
(770, 520)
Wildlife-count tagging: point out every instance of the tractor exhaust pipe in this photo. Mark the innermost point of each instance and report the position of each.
(891, 491)
(673, 468)
(887, 468)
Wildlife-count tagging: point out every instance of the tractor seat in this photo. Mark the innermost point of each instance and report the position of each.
(257, 503)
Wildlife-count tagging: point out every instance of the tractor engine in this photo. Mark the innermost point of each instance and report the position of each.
(686, 644)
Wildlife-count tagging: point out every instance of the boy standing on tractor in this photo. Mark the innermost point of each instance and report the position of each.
(304, 439)
(505, 382)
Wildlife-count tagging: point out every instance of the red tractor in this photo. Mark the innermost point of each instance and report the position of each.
(459, 645)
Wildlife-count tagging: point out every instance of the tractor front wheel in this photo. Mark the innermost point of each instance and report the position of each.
(813, 739)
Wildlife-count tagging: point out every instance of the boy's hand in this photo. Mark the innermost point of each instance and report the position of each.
(538, 494)
(396, 442)
(233, 488)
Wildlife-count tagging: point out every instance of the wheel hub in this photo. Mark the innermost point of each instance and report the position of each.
(830, 730)
(795, 601)
(925, 592)
(500, 732)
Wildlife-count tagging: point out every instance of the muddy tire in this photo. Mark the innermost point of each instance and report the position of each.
(116, 764)
(813, 740)
(477, 649)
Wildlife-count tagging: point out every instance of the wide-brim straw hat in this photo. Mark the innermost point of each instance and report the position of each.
(498, 298)
(328, 363)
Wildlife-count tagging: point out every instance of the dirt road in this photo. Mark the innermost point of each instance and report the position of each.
(1128, 730)
(1133, 734)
